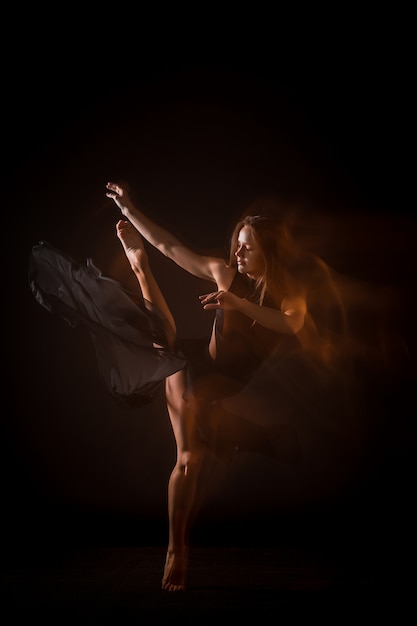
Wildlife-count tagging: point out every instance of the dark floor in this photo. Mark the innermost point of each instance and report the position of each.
(113, 585)
(350, 560)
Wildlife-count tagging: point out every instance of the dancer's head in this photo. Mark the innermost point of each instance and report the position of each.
(260, 246)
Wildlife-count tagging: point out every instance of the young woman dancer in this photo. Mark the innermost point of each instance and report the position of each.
(255, 303)
(259, 303)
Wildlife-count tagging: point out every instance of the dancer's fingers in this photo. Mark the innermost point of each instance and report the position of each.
(209, 296)
(114, 188)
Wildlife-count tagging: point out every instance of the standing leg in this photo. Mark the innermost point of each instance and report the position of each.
(184, 477)
(183, 482)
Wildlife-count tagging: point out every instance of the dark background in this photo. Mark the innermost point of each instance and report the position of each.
(199, 136)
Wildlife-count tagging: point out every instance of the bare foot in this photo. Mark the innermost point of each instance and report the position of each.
(174, 571)
(132, 244)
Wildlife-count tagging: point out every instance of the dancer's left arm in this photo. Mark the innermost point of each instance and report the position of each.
(289, 319)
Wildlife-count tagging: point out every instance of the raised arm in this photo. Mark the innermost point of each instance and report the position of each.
(205, 267)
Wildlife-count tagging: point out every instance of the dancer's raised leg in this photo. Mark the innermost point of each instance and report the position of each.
(137, 256)
(184, 477)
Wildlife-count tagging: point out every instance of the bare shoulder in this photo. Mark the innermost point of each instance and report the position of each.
(223, 274)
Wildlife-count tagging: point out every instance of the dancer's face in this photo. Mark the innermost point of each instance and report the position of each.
(249, 257)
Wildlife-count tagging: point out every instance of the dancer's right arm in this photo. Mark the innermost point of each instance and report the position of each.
(205, 267)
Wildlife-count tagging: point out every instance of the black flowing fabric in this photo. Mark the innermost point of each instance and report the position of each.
(129, 334)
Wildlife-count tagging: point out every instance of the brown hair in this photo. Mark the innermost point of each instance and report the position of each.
(278, 251)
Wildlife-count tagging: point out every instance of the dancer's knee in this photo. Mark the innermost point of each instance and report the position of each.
(189, 462)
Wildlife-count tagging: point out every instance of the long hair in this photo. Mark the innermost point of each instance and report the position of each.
(278, 250)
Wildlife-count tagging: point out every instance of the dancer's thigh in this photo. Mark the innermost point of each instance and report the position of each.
(179, 410)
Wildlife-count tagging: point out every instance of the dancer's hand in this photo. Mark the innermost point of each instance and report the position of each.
(220, 300)
(120, 195)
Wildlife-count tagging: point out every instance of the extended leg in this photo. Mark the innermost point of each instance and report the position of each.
(138, 259)
(183, 480)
